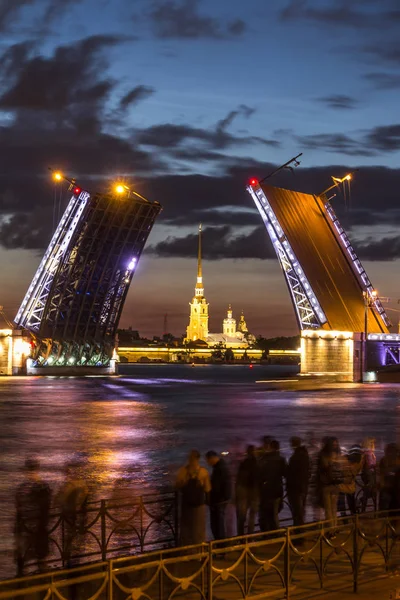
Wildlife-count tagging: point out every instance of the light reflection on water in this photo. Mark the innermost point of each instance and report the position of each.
(140, 425)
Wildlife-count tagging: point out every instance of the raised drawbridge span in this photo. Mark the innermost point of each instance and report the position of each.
(74, 303)
(332, 295)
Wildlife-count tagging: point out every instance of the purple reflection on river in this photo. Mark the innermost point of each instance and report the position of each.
(141, 424)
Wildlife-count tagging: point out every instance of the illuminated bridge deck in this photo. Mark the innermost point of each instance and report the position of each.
(323, 257)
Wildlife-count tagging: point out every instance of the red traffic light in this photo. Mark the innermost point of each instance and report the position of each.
(253, 182)
(77, 191)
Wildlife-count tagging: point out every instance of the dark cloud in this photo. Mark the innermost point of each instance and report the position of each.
(226, 242)
(25, 230)
(384, 81)
(353, 14)
(334, 142)
(385, 249)
(10, 10)
(224, 215)
(57, 103)
(339, 101)
(66, 79)
(140, 92)
(219, 242)
(386, 51)
(182, 19)
(371, 143)
(386, 138)
(169, 136)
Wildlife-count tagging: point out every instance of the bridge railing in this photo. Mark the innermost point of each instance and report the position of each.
(107, 528)
(293, 562)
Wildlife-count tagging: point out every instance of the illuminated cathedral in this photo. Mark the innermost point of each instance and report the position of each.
(233, 335)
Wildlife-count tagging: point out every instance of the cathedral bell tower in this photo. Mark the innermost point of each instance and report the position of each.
(198, 324)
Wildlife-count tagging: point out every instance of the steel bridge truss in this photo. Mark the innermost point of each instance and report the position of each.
(308, 310)
(358, 268)
(74, 303)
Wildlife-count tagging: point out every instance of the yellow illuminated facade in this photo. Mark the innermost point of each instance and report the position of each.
(14, 350)
(331, 353)
(198, 323)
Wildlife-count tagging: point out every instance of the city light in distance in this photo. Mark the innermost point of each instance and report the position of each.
(119, 188)
(57, 176)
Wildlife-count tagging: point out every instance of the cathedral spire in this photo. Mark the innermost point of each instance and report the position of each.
(199, 283)
(198, 324)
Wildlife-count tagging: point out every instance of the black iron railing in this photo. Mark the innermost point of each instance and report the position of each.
(293, 562)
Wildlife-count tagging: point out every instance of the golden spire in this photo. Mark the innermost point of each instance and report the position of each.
(199, 270)
(199, 284)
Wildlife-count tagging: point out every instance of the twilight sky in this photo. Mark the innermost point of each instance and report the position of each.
(186, 100)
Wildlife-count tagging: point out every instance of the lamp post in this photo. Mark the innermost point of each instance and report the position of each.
(370, 297)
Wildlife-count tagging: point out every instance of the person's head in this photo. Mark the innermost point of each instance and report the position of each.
(251, 450)
(275, 446)
(212, 457)
(311, 439)
(391, 452)
(335, 445)
(331, 445)
(369, 444)
(266, 442)
(32, 466)
(194, 457)
(295, 442)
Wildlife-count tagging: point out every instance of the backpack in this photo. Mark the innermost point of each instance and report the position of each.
(193, 494)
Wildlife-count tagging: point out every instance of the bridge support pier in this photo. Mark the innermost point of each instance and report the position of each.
(336, 355)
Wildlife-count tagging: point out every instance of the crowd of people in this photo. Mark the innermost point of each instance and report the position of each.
(319, 474)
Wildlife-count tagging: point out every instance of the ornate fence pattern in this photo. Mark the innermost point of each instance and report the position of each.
(107, 529)
(297, 562)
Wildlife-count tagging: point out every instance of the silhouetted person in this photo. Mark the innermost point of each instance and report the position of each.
(387, 477)
(272, 470)
(330, 476)
(368, 474)
(297, 477)
(33, 500)
(265, 446)
(247, 491)
(313, 449)
(193, 482)
(352, 464)
(72, 500)
(220, 494)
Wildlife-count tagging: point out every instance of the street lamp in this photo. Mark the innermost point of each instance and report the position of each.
(336, 182)
(370, 297)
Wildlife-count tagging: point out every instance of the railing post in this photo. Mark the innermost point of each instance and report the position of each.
(210, 573)
(141, 524)
(176, 518)
(110, 580)
(287, 564)
(355, 554)
(387, 529)
(103, 530)
(62, 541)
(321, 556)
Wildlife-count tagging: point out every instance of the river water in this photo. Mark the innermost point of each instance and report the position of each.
(141, 424)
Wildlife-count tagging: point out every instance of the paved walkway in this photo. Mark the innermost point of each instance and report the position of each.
(380, 589)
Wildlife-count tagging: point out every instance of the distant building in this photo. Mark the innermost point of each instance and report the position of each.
(198, 323)
(232, 336)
